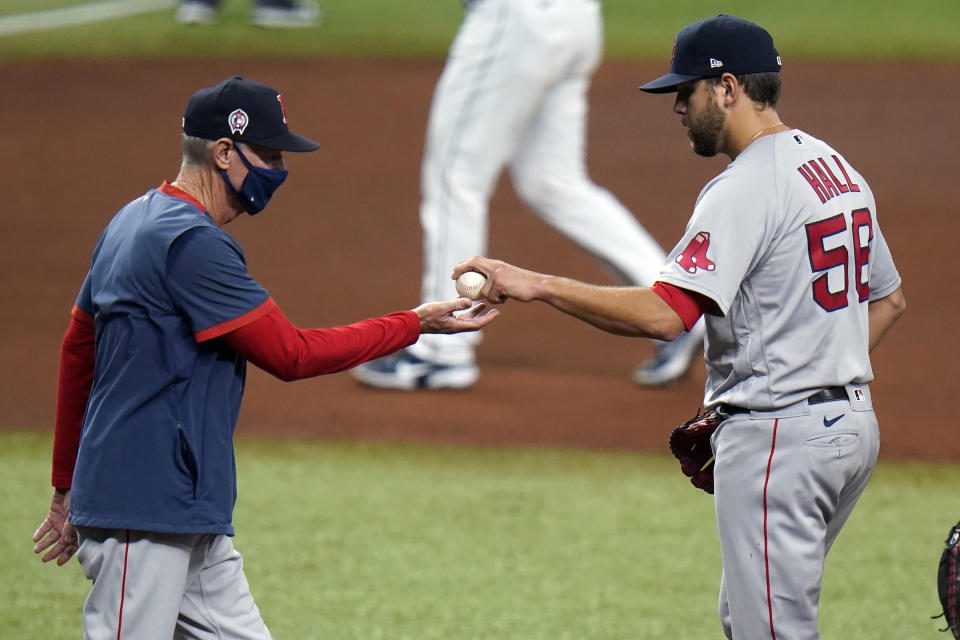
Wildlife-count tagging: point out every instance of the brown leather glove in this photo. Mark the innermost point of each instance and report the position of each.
(948, 581)
(690, 444)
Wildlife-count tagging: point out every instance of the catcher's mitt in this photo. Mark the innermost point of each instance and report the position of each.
(690, 444)
(947, 585)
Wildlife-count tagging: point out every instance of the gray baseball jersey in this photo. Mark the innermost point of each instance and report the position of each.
(785, 241)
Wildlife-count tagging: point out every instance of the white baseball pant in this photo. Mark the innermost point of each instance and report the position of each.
(514, 90)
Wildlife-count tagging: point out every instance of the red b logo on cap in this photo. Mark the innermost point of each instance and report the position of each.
(283, 108)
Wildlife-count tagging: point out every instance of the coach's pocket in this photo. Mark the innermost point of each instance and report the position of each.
(841, 442)
(90, 552)
(185, 459)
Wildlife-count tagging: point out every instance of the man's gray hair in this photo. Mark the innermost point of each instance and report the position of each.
(196, 151)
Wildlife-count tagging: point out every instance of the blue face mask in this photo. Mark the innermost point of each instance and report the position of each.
(257, 187)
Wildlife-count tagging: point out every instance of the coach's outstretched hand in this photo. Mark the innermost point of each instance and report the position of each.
(438, 317)
(56, 531)
(504, 281)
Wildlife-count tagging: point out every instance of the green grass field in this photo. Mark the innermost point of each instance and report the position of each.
(816, 29)
(370, 541)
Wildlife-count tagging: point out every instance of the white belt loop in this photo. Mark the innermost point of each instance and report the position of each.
(859, 395)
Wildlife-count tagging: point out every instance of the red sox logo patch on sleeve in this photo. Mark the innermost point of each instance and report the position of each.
(695, 255)
(238, 121)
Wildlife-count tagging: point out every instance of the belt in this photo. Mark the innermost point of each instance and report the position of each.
(824, 395)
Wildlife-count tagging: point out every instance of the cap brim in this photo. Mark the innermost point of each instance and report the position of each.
(667, 83)
(289, 142)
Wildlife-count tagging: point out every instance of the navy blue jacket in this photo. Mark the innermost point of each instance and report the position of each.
(156, 450)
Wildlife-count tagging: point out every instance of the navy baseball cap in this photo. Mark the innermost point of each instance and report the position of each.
(712, 47)
(244, 111)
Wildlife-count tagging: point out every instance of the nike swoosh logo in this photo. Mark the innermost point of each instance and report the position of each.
(830, 423)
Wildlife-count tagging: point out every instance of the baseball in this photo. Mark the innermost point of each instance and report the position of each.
(469, 284)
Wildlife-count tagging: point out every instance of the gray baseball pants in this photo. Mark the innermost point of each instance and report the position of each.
(163, 586)
(786, 481)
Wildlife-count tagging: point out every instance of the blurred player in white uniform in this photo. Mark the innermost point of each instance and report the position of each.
(514, 92)
(784, 258)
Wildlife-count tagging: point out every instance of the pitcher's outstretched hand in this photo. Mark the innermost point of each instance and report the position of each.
(504, 281)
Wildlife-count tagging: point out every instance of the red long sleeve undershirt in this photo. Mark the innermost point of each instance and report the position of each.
(271, 342)
(689, 305)
(281, 349)
(73, 391)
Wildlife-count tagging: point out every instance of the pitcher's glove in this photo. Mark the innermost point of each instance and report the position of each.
(947, 581)
(690, 444)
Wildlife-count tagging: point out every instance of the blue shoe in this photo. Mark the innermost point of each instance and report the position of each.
(404, 371)
(672, 360)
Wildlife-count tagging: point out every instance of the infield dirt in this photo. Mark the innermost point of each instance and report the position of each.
(341, 240)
